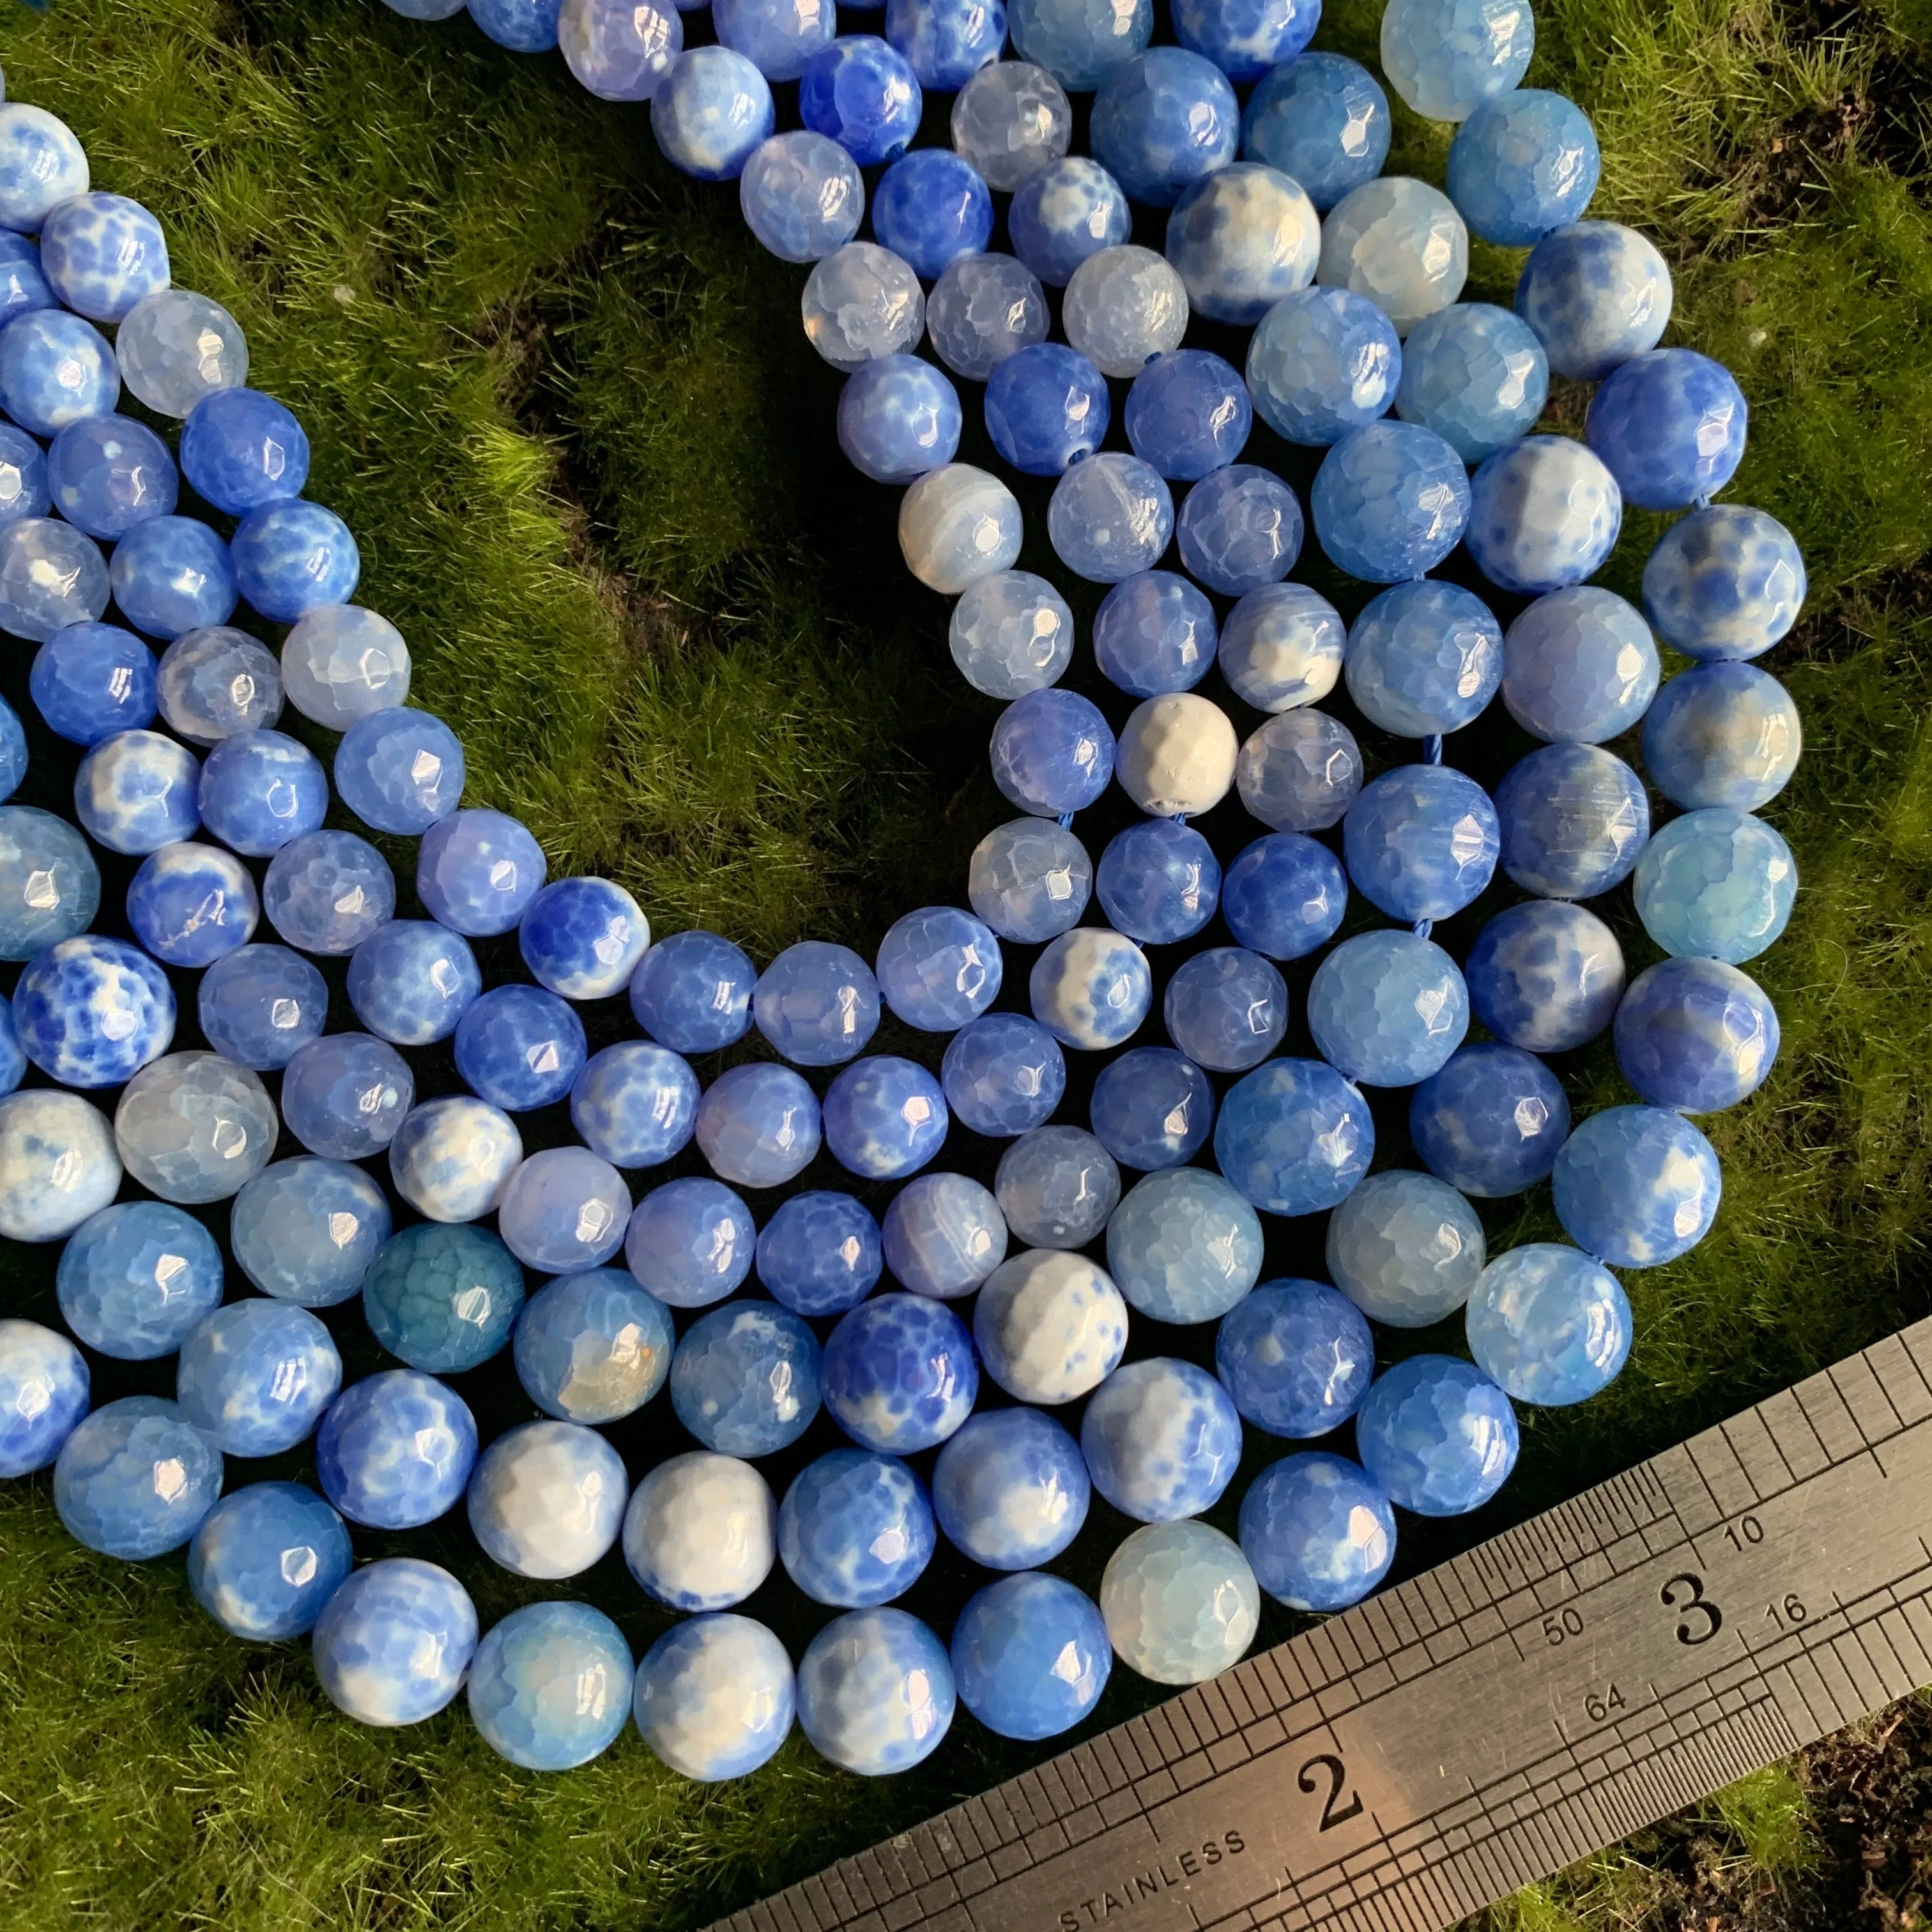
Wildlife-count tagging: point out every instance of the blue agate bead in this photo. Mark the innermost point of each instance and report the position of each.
(1715, 884)
(777, 37)
(13, 751)
(477, 870)
(12, 1061)
(1669, 424)
(1030, 1656)
(172, 574)
(716, 1697)
(393, 1645)
(1161, 1440)
(546, 1499)
(260, 789)
(1010, 1489)
(620, 52)
(1322, 120)
(51, 576)
(635, 1104)
(1387, 1008)
(1241, 240)
(947, 42)
(1295, 1358)
(327, 892)
(1161, 121)
(215, 681)
(984, 308)
(291, 558)
(256, 1376)
(563, 1211)
(1065, 212)
(1122, 307)
(1421, 841)
(1544, 976)
(400, 770)
(899, 417)
(23, 470)
(1247, 39)
(344, 1095)
(241, 449)
(938, 968)
(1579, 667)
(1391, 501)
(41, 165)
(411, 981)
(450, 1158)
(593, 1347)
(1281, 648)
(1154, 633)
(745, 1379)
(862, 93)
(59, 1162)
(1399, 242)
(1183, 1246)
(1029, 880)
(55, 369)
(862, 301)
(819, 1253)
(136, 792)
(175, 347)
(885, 1117)
(1548, 1324)
(1597, 294)
(1722, 734)
(341, 662)
(395, 1450)
(266, 1558)
(801, 195)
(1573, 820)
(1318, 1530)
(931, 207)
(550, 1687)
(1180, 1602)
(91, 1011)
(442, 1296)
(1446, 57)
(1725, 582)
(135, 1479)
(943, 1236)
(1490, 1123)
(692, 992)
(43, 1394)
(1406, 1248)
(1159, 881)
(1475, 374)
(1090, 988)
(690, 1242)
(100, 254)
(23, 287)
(1011, 120)
(899, 1373)
(1637, 1186)
(1188, 414)
(1240, 529)
(711, 112)
(1079, 42)
(1046, 408)
(108, 474)
(1284, 896)
(875, 1692)
(817, 1003)
(582, 937)
(1052, 752)
(190, 905)
(1438, 1436)
(306, 1230)
(1695, 1034)
(1056, 1187)
(758, 1125)
(50, 885)
(1521, 164)
(1152, 1108)
(1424, 658)
(1226, 1008)
(1049, 1325)
(1293, 1137)
(1110, 516)
(523, 26)
(134, 1280)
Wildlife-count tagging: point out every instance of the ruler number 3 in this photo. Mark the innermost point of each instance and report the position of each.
(1698, 1620)
(1338, 1777)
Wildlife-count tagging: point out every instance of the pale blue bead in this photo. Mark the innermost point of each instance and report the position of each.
(43, 1394)
(947, 42)
(1046, 408)
(931, 207)
(1696, 1035)
(593, 1347)
(1067, 211)
(1438, 1436)
(943, 1235)
(266, 1558)
(23, 463)
(1242, 239)
(135, 1479)
(1722, 734)
(938, 968)
(711, 112)
(984, 308)
(1318, 1530)
(1246, 39)
(108, 475)
(1400, 243)
(1240, 529)
(1052, 752)
(1475, 374)
(1079, 42)
(1123, 307)
(256, 1376)
(1188, 414)
(392, 1645)
(91, 1011)
(1579, 667)
(134, 1280)
(341, 662)
(291, 558)
(1545, 976)
(1545, 512)
(1670, 425)
(59, 1162)
(885, 1117)
(50, 885)
(564, 1209)
(1387, 1008)
(190, 905)
(1180, 1602)
(1109, 516)
(862, 301)
(1029, 880)
(1446, 57)
(801, 195)
(1056, 1187)
(1159, 881)
(1715, 884)
(138, 791)
(328, 892)
(1153, 633)
(1091, 988)
(875, 1692)
(758, 1126)
(777, 37)
(172, 575)
(399, 770)
(619, 51)
(241, 448)
(1049, 1325)
(55, 369)
(41, 165)
(1030, 1656)
(476, 872)
(260, 789)
(215, 681)
(1323, 363)
(411, 981)
(1548, 1324)
(1597, 294)
(1421, 841)
(819, 1253)
(692, 992)
(1161, 1440)
(900, 1373)
(546, 1499)
(745, 1380)
(634, 1104)
(1293, 1137)
(1637, 1186)
(1183, 1246)
(1491, 1122)
(817, 1003)
(1010, 1489)
(1152, 1108)
(1424, 658)
(520, 1047)
(51, 576)
(1389, 502)
(1284, 896)
(395, 1450)
(1725, 582)
(862, 93)
(1012, 119)
(1406, 1248)
(450, 1158)
(1573, 820)
(344, 1095)
(1323, 120)
(1226, 1008)
(690, 1242)
(551, 1686)
(1161, 121)
(306, 1230)
(898, 418)
(716, 1697)
(1295, 1357)
(443, 1297)
(523, 26)
(1522, 164)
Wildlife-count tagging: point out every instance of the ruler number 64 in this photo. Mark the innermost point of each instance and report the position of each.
(1698, 1619)
(1332, 1814)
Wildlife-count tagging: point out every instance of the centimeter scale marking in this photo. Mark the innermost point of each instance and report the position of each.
(1489, 1722)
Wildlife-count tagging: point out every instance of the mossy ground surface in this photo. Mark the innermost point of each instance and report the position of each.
(564, 401)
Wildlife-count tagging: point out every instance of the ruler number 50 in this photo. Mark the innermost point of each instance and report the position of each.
(1332, 1814)
(1698, 1619)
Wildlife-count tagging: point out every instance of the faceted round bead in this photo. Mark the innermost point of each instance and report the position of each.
(1579, 667)
(1152, 1108)
(137, 791)
(1046, 408)
(43, 1395)
(1322, 120)
(477, 870)
(1725, 582)
(328, 892)
(1293, 1137)
(1010, 1489)
(58, 1164)
(863, 301)
(899, 1373)
(190, 905)
(875, 1692)
(1544, 513)
(51, 576)
(710, 113)
(443, 1297)
(820, 1254)
(194, 1127)
(108, 475)
(1242, 240)
(1154, 633)
(55, 369)
(634, 1104)
(1573, 819)
(523, 26)
(1284, 896)
(1548, 1324)
(1405, 1249)
(1226, 1008)
(1029, 880)
(777, 37)
(692, 991)
(1545, 977)
(1596, 294)
(13, 751)
(450, 1159)
(1424, 658)
(1079, 42)
(241, 449)
(939, 968)
(266, 1558)
(1159, 881)
(411, 981)
(392, 1645)
(1056, 1187)
(885, 1117)
(1247, 39)
(1421, 841)
(172, 574)
(341, 662)
(1180, 1602)
(1030, 1656)
(1389, 502)
(135, 1479)
(801, 195)
(1445, 57)
(716, 1697)
(1475, 374)
(101, 254)
(1295, 1357)
(260, 789)
(1715, 884)
(898, 418)
(12, 1061)
(863, 93)
(855, 1529)
(1637, 1186)
(1002, 1074)
(344, 1095)
(1280, 648)
(1183, 1246)
(1387, 1008)
(583, 937)
(690, 1242)
(50, 885)
(1522, 164)
(929, 207)
(306, 1230)
(1240, 529)
(546, 1499)
(256, 1376)
(619, 52)
(1062, 213)
(984, 308)
(957, 525)
(1696, 1035)
(1161, 1440)
(1438, 1436)
(817, 1004)
(1491, 1122)
(291, 558)
(1188, 414)
(1123, 307)
(1669, 424)
(395, 1450)
(1052, 752)
(1012, 119)
(1011, 633)
(563, 1211)
(1318, 1530)
(91, 1011)
(593, 1347)
(1090, 988)
(551, 1686)
(215, 681)
(23, 463)
(399, 770)
(1176, 755)
(135, 1279)
(42, 164)
(1110, 516)
(1400, 243)
(943, 1236)
(1163, 120)
(1722, 734)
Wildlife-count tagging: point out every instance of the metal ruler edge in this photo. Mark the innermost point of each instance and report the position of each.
(1485, 1723)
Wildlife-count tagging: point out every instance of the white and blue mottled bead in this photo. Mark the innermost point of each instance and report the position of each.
(1637, 1186)
(875, 1692)
(1241, 240)
(442, 1298)
(1573, 818)
(947, 42)
(1180, 1602)
(395, 1450)
(13, 1062)
(1437, 1436)
(549, 1687)
(1079, 42)
(171, 575)
(55, 369)
(1109, 516)
(1183, 1246)
(1010, 1490)
(863, 301)
(943, 1235)
(1391, 501)
(1152, 1108)
(1281, 648)
(777, 37)
(41, 165)
(1240, 529)
(91, 1011)
(266, 1558)
(138, 791)
(401, 770)
(1159, 881)
(193, 1127)
(1161, 1440)
(1012, 120)
(1696, 1035)
(1319, 1530)
(1579, 666)
(563, 1211)
(855, 1529)
(1545, 976)
(1029, 879)
(885, 1117)
(1421, 841)
(899, 1373)
(546, 1499)
(1597, 294)
(1492, 1122)
(1715, 884)
(692, 992)
(1447, 57)
(58, 1164)
(260, 789)
(985, 308)
(593, 1347)
(1030, 1656)
(109, 474)
(51, 576)
(716, 1697)
(635, 1104)
(1475, 374)
(938, 968)
(1051, 752)
(1293, 1137)
(710, 112)
(1725, 582)
(817, 1003)
(1670, 425)
(1123, 307)
(1406, 1248)
(523, 26)
(1226, 1008)
(345, 1095)
(1522, 164)
(393, 1645)
(1323, 120)
(620, 50)
(1091, 988)
(819, 1253)
(1400, 243)
(215, 681)
(135, 1279)
(256, 1376)
(306, 1230)
(931, 207)
(327, 892)
(745, 1380)
(898, 418)
(291, 558)
(862, 92)
(135, 1478)
(1424, 658)
(520, 1047)
(451, 1158)
(701, 1531)
(1722, 734)
(1049, 1325)
(411, 980)
(1161, 121)
(1062, 213)
(1056, 1187)
(758, 1125)
(1245, 39)
(1548, 1324)
(690, 1242)
(339, 663)
(43, 1394)
(1295, 1358)
(1543, 513)
(1011, 633)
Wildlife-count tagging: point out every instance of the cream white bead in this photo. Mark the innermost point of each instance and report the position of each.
(1177, 755)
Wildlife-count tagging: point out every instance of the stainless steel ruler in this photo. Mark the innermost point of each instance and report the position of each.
(1425, 1753)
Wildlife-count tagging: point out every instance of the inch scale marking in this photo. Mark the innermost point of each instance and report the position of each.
(1425, 1753)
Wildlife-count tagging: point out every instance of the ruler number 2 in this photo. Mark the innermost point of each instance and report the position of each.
(1338, 1777)
(1698, 1620)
